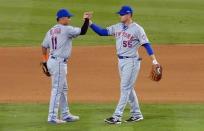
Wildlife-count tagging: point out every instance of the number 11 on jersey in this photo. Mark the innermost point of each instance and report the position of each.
(54, 42)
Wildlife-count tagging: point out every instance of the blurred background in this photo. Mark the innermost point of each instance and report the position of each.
(25, 22)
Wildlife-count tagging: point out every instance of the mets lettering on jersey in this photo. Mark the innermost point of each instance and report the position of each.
(132, 37)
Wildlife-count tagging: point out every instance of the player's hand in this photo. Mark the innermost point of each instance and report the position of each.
(88, 15)
(45, 69)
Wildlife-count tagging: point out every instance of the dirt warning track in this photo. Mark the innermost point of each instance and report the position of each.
(93, 75)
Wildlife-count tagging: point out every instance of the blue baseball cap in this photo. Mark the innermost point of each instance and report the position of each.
(63, 13)
(125, 10)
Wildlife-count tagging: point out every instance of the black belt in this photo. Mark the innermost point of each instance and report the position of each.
(63, 59)
(124, 57)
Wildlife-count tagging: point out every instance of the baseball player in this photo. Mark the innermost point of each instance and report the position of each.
(58, 41)
(129, 37)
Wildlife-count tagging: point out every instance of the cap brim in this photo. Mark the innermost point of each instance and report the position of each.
(71, 15)
(120, 13)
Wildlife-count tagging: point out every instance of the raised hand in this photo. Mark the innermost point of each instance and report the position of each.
(88, 15)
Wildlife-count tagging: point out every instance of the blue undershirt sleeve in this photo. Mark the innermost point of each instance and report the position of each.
(148, 48)
(100, 31)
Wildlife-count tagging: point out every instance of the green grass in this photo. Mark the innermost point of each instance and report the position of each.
(158, 117)
(25, 22)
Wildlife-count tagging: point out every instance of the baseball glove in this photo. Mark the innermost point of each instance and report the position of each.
(45, 69)
(156, 72)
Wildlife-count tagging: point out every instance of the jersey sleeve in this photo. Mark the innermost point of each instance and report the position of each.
(142, 36)
(111, 30)
(45, 42)
(73, 31)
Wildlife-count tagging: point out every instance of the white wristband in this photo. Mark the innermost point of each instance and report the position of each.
(155, 62)
(90, 22)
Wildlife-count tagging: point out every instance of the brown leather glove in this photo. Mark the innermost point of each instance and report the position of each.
(45, 69)
(156, 72)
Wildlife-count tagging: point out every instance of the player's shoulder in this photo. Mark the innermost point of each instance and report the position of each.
(136, 25)
(53, 27)
(70, 27)
(119, 24)
(62, 26)
(116, 25)
(49, 32)
(65, 28)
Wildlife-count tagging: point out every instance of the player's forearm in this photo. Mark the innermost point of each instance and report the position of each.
(44, 54)
(150, 52)
(154, 60)
(100, 31)
(85, 26)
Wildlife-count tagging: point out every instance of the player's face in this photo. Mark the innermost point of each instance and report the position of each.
(65, 20)
(125, 18)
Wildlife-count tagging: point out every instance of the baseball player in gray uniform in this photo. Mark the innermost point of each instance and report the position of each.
(58, 41)
(129, 37)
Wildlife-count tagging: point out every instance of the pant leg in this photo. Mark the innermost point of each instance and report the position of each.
(134, 104)
(64, 108)
(133, 100)
(57, 75)
(126, 69)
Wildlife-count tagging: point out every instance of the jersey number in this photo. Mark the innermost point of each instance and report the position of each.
(127, 44)
(54, 42)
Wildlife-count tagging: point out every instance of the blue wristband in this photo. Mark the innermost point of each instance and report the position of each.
(148, 48)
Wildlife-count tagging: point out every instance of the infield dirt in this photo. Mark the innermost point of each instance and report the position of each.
(93, 75)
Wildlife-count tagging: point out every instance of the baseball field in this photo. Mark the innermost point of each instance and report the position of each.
(175, 28)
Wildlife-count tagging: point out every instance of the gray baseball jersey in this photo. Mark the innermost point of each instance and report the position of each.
(59, 40)
(128, 38)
